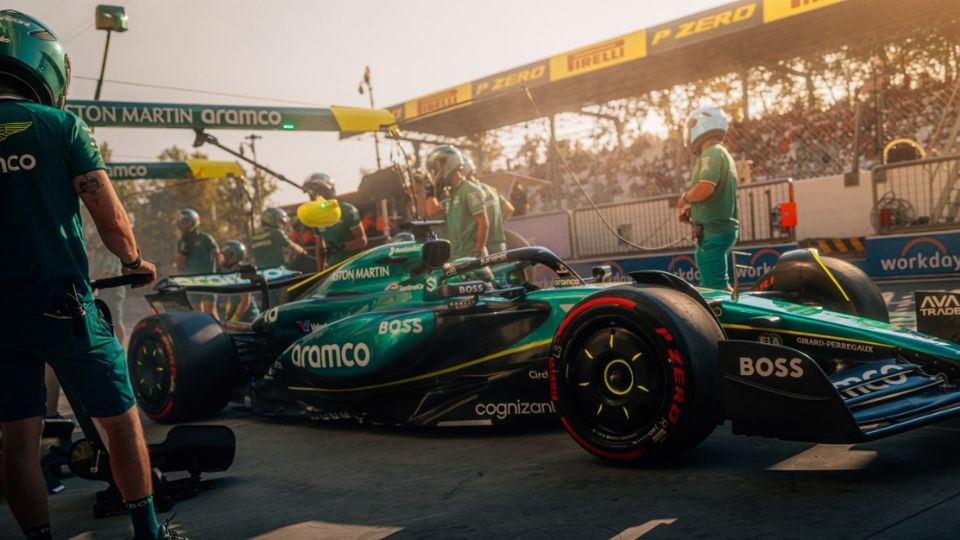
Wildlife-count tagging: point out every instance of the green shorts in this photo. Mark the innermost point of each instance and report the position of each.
(92, 369)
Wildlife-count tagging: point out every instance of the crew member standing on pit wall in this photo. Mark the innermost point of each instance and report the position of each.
(710, 202)
(499, 209)
(460, 203)
(270, 243)
(197, 253)
(48, 315)
(343, 240)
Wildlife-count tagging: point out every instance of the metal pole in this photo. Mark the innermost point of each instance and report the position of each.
(365, 83)
(103, 67)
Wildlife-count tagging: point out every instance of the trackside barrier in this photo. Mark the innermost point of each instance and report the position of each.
(916, 195)
(653, 222)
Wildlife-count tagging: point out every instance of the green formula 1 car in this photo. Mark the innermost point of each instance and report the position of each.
(641, 371)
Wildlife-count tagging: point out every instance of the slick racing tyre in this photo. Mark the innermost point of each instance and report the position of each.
(182, 366)
(843, 287)
(634, 374)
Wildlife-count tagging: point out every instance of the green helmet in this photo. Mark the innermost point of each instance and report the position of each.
(234, 252)
(188, 220)
(320, 184)
(32, 59)
(274, 217)
(442, 162)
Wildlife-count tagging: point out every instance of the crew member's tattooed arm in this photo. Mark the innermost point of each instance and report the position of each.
(98, 195)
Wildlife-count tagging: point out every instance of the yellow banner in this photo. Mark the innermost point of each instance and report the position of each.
(704, 26)
(599, 55)
(446, 99)
(359, 120)
(205, 168)
(774, 10)
(529, 75)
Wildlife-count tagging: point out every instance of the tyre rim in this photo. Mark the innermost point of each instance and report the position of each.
(617, 380)
(151, 370)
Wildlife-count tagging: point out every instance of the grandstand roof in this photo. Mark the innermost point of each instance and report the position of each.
(725, 39)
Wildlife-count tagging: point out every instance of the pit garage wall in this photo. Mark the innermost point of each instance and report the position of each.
(826, 207)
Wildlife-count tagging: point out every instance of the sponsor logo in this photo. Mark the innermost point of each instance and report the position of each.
(308, 326)
(401, 326)
(361, 274)
(496, 258)
(704, 24)
(404, 288)
(769, 339)
(432, 284)
(12, 128)
(516, 408)
(331, 356)
(603, 53)
(832, 344)
(502, 82)
(536, 374)
(14, 163)
(465, 289)
(176, 116)
(127, 171)
(774, 10)
(14, 20)
(943, 305)
(936, 259)
(566, 282)
(436, 102)
(271, 315)
(684, 266)
(679, 377)
(400, 250)
(463, 303)
(765, 367)
(843, 385)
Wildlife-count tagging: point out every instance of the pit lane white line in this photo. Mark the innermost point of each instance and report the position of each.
(636, 532)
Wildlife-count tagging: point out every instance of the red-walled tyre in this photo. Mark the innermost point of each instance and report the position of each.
(182, 366)
(635, 375)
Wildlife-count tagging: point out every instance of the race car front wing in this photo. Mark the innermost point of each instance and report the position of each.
(776, 391)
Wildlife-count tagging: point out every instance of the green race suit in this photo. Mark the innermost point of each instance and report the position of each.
(267, 246)
(496, 237)
(464, 202)
(198, 249)
(717, 214)
(41, 150)
(341, 233)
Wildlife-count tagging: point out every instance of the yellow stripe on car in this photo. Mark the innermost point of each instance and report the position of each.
(451, 369)
(816, 256)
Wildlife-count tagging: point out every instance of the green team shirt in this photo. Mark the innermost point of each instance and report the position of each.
(465, 201)
(267, 247)
(342, 232)
(41, 150)
(718, 213)
(496, 238)
(198, 249)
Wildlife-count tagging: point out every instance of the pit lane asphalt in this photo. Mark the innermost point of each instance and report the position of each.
(349, 481)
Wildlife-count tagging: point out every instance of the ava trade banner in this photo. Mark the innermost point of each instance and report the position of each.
(930, 254)
(190, 116)
(174, 170)
(758, 261)
(703, 26)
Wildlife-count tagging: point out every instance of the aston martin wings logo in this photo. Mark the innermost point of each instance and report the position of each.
(6, 130)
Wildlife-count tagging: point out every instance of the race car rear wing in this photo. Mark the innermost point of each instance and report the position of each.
(172, 291)
(775, 391)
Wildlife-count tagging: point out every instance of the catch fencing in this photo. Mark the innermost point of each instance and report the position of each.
(916, 195)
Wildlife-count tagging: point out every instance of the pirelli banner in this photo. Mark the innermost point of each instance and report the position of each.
(697, 28)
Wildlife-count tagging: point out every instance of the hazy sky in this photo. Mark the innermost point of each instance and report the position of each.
(314, 52)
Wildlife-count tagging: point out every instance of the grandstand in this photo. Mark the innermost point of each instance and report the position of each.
(793, 74)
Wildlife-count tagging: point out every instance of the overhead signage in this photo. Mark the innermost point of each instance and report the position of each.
(704, 26)
(529, 75)
(189, 116)
(174, 170)
(439, 101)
(599, 56)
(774, 10)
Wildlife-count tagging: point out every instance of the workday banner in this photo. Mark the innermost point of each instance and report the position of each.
(757, 261)
(913, 255)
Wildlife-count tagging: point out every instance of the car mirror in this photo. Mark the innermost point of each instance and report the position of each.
(436, 253)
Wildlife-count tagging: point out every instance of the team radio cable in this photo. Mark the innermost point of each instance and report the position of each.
(569, 170)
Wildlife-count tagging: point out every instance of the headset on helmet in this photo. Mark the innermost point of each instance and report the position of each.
(704, 123)
(234, 252)
(274, 217)
(320, 184)
(32, 59)
(441, 163)
(188, 220)
(468, 167)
